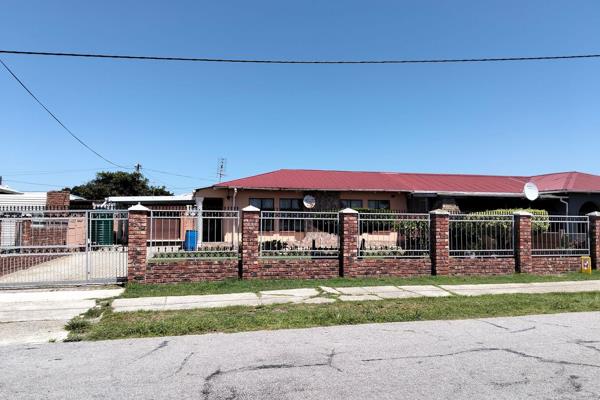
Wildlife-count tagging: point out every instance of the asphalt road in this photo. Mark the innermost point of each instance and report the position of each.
(540, 357)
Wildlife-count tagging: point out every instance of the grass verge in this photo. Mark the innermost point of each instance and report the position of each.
(237, 319)
(237, 285)
(79, 326)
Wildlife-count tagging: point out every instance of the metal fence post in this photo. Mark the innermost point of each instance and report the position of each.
(200, 208)
(88, 238)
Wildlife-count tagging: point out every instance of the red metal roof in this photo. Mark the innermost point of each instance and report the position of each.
(302, 179)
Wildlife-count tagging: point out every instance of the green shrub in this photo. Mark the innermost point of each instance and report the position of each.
(540, 223)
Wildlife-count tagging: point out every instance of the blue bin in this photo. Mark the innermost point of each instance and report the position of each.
(191, 238)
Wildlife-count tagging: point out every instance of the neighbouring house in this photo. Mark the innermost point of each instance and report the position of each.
(23, 219)
(573, 193)
(180, 201)
(11, 199)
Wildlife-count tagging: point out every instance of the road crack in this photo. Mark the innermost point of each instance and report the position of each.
(207, 387)
(588, 344)
(504, 327)
(183, 362)
(161, 345)
(487, 349)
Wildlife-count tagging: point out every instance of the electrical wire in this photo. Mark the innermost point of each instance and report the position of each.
(179, 175)
(80, 140)
(34, 183)
(66, 171)
(59, 121)
(273, 61)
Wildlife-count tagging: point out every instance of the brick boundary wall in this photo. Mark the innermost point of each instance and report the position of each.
(137, 250)
(545, 265)
(249, 243)
(439, 243)
(349, 263)
(482, 266)
(193, 270)
(522, 226)
(322, 268)
(348, 236)
(595, 238)
(381, 267)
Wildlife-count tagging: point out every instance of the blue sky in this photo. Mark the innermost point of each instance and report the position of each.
(497, 118)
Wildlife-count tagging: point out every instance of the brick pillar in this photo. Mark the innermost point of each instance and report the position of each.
(348, 240)
(26, 232)
(439, 242)
(595, 238)
(58, 200)
(522, 243)
(137, 249)
(250, 229)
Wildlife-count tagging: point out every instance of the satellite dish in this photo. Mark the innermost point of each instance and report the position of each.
(531, 191)
(309, 201)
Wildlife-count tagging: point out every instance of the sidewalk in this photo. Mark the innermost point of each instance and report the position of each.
(357, 293)
(35, 316)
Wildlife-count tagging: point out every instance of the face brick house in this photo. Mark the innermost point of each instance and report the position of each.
(573, 193)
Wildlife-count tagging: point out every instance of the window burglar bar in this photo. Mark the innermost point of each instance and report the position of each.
(473, 235)
(193, 233)
(560, 235)
(297, 234)
(393, 235)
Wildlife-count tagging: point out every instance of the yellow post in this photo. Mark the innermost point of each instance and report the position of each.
(586, 265)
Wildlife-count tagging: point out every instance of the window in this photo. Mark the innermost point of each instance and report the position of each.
(290, 204)
(379, 204)
(418, 204)
(264, 205)
(291, 223)
(355, 204)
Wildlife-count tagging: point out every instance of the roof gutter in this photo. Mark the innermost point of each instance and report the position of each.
(476, 194)
(545, 194)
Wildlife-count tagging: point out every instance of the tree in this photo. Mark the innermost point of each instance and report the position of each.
(118, 184)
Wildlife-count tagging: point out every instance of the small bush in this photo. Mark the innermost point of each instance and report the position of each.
(93, 313)
(73, 337)
(78, 325)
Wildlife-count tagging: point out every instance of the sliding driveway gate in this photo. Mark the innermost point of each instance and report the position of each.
(39, 248)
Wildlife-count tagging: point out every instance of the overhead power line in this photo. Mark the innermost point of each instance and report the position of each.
(81, 141)
(174, 174)
(66, 171)
(274, 61)
(84, 144)
(34, 183)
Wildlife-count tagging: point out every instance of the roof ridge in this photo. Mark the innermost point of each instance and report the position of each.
(396, 173)
(251, 176)
(559, 173)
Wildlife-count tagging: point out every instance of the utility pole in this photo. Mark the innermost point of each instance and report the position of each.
(138, 167)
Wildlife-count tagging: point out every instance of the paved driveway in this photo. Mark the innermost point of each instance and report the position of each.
(104, 265)
(538, 357)
(33, 316)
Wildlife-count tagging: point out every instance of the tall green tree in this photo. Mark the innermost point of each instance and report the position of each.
(118, 184)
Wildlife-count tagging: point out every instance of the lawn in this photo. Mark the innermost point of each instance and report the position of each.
(255, 285)
(237, 319)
